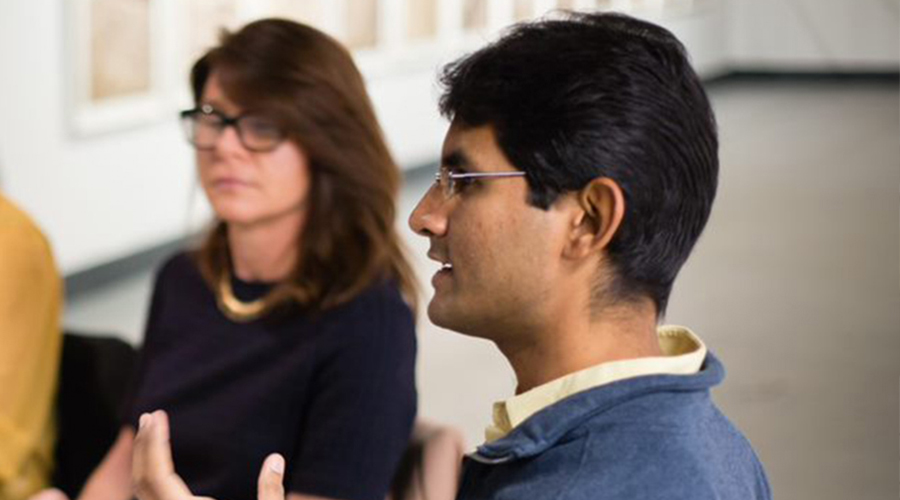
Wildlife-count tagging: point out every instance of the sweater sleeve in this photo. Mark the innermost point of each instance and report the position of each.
(30, 343)
(361, 412)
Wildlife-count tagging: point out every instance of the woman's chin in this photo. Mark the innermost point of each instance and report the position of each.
(234, 216)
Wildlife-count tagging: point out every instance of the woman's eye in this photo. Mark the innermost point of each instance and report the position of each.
(211, 121)
(261, 126)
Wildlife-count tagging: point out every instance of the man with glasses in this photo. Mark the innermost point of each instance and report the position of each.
(578, 172)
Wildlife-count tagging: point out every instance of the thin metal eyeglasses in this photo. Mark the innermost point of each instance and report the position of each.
(452, 183)
(204, 125)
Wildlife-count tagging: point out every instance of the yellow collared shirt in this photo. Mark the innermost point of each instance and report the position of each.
(683, 354)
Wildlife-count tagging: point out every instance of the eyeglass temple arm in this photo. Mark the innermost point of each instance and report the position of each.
(470, 175)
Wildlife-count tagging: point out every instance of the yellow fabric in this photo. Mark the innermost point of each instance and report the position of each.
(683, 354)
(30, 343)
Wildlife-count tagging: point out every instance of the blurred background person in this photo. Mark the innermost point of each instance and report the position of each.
(30, 344)
(299, 300)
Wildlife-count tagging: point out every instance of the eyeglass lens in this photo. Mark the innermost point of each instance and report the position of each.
(256, 133)
(445, 182)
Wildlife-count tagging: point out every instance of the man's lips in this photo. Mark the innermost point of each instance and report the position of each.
(443, 274)
(446, 267)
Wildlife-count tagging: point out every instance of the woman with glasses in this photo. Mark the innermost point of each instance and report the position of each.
(291, 328)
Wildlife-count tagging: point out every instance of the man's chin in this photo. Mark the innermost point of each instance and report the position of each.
(436, 313)
(451, 317)
(442, 313)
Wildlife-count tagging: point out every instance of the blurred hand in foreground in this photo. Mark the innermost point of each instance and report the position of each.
(154, 475)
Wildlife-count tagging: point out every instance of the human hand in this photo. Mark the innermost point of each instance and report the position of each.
(154, 476)
(49, 494)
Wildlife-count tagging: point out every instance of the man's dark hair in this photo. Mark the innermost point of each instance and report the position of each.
(601, 95)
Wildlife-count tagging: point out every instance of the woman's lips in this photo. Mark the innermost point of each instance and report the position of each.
(228, 184)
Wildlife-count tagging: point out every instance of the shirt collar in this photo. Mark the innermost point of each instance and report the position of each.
(683, 354)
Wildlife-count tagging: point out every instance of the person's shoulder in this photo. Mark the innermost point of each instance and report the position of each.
(381, 296)
(668, 423)
(179, 267)
(701, 456)
(19, 231)
(180, 262)
(24, 250)
(378, 309)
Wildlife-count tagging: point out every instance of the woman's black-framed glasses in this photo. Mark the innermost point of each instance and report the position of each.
(204, 124)
(451, 183)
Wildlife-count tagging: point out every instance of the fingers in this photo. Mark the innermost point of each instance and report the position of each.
(49, 494)
(153, 474)
(271, 478)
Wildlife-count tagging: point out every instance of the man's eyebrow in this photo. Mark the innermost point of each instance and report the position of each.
(456, 160)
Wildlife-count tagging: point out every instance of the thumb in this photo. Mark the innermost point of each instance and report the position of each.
(49, 494)
(271, 478)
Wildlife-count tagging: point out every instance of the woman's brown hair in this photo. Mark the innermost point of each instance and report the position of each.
(308, 82)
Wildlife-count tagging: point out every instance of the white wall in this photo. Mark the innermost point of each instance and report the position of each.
(97, 198)
(819, 35)
(106, 196)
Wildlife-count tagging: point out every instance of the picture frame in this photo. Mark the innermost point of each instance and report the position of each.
(196, 27)
(117, 64)
(129, 60)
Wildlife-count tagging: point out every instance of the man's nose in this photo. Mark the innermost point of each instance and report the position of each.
(429, 218)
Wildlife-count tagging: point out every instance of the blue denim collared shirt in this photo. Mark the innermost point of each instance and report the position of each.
(657, 436)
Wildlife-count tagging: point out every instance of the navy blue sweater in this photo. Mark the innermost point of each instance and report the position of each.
(651, 437)
(333, 392)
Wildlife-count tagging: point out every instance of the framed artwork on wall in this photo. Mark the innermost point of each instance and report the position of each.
(204, 22)
(422, 19)
(129, 60)
(475, 15)
(197, 26)
(310, 12)
(117, 64)
(361, 23)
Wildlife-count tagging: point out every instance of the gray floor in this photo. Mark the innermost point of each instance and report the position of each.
(794, 285)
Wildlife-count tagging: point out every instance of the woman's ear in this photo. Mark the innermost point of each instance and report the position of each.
(602, 208)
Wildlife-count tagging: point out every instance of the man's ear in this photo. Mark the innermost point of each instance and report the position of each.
(601, 210)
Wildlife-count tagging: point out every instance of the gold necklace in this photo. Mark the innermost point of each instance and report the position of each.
(234, 308)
